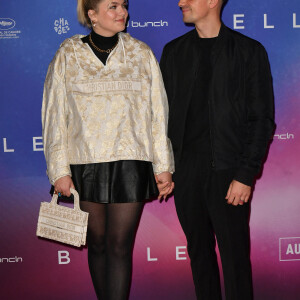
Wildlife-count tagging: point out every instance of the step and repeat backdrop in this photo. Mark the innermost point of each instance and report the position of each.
(32, 268)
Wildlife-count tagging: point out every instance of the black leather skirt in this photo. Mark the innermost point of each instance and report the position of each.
(123, 181)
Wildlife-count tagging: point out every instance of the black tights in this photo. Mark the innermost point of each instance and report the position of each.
(110, 239)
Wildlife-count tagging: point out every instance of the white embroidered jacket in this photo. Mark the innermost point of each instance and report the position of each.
(100, 113)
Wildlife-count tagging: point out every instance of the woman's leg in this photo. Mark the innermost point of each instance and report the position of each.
(96, 244)
(122, 222)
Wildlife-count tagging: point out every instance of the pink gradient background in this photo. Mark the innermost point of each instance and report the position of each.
(23, 185)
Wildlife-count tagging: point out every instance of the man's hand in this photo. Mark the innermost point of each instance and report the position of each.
(164, 184)
(63, 185)
(238, 193)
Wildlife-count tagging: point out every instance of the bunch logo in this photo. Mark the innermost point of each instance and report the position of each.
(61, 26)
(6, 26)
(289, 249)
(11, 259)
(284, 136)
(160, 23)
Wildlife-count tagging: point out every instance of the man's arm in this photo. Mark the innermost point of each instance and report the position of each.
(260, 125)
(260, 115)
(166, 70)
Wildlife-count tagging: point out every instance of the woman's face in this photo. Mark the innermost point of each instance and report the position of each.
(110, 17)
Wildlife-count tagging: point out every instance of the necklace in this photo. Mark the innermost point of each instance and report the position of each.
(101, 50)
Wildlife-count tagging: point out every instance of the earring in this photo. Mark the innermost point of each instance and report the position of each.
(93, 23)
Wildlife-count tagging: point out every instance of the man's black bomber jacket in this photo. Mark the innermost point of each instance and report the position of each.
(240, 99)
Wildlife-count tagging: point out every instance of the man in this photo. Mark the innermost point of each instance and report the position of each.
(220, 94)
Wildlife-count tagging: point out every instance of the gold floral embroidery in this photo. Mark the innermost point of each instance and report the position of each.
(94, 113)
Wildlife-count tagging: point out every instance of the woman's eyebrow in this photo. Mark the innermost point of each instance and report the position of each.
(114, 2)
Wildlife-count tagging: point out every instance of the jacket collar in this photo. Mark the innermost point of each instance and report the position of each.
(221, 41)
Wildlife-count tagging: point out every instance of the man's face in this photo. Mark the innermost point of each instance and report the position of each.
(194, 10)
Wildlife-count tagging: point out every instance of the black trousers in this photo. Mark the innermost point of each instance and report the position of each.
(205, 216)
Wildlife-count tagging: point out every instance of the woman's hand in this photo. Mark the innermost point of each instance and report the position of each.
(63, 185)
(165, 184)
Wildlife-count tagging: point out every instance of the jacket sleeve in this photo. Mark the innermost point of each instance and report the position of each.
(260, 115)
(162, 149)
(165, 67)
(54, 120)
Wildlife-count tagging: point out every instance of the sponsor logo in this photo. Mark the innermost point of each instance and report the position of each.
(283, 136)
(11, 259)
(6, 23)
(61, 26)
(160, 23)
(6, 26)
(289, 249)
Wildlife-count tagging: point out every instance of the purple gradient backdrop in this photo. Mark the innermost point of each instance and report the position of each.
(23, 184)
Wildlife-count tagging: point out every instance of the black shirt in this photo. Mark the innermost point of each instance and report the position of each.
(197, 127)
(101, 42)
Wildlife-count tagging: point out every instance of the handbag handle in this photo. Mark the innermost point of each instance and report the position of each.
(76, 199)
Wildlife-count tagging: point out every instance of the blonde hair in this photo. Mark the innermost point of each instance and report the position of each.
(83, 6)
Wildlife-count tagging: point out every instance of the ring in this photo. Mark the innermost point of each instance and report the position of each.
(59, 194)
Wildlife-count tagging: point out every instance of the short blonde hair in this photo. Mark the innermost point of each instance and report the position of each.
(83, 6)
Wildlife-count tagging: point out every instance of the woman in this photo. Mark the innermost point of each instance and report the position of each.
(104, 121)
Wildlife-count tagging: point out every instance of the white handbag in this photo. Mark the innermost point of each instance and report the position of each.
(63, 224)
